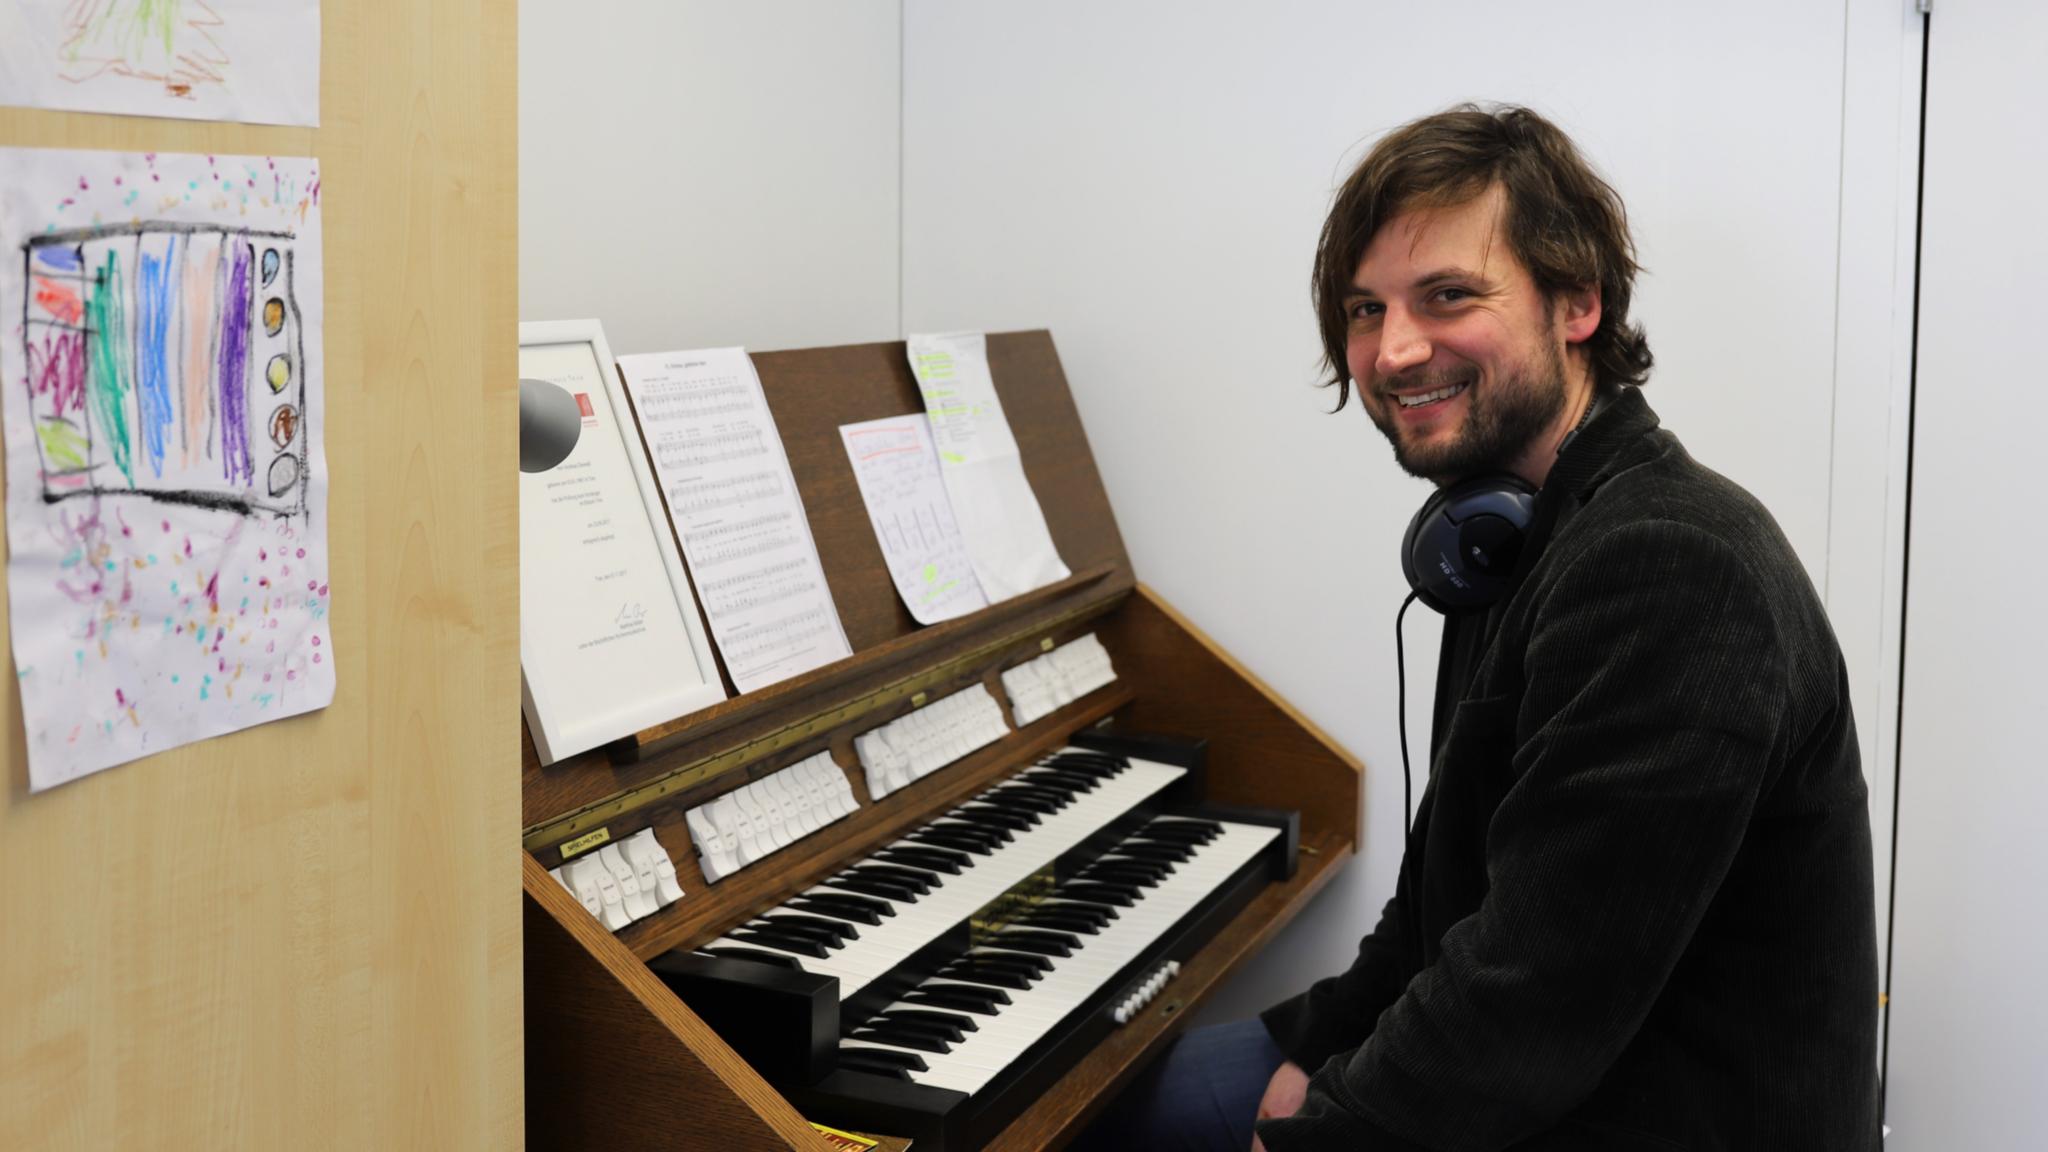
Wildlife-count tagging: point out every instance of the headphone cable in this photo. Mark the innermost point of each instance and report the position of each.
(1401, 703)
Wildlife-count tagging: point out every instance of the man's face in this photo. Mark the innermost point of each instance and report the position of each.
(1458, 358)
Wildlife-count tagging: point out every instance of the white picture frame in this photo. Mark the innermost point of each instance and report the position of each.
(592, 531)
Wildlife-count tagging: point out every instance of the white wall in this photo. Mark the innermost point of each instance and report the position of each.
(1147, 180)
(700, 173)
(1969, 1010)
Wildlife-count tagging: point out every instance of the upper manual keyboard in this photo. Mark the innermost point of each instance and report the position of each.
(862, 922)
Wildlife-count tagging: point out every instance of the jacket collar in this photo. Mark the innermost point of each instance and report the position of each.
(1593, 451)
(1592, 454)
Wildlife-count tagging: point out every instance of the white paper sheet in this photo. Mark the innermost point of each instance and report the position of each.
(166, 486)
(254, 61)
(898, 470)
(736, 510)
(999, 516)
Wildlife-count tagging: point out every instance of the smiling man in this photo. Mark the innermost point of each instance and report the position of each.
(1636, 908)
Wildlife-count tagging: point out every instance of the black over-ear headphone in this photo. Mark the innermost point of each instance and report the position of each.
(1460, 550)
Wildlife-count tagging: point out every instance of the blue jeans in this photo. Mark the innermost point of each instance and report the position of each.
(1202, 1096)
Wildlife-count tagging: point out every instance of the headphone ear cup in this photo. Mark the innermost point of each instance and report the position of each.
(1424, 538)
(1460, 549)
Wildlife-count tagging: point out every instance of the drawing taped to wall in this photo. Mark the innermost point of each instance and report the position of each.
(165, 483)
(250, 60)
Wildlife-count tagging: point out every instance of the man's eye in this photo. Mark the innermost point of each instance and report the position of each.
(1452, 295)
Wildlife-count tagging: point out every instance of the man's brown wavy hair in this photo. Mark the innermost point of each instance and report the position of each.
(1563, 222)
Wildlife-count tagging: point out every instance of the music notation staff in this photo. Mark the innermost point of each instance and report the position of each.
(762, 596)
(736, 510)
(723, 492)
(710, 448)
(792, 633)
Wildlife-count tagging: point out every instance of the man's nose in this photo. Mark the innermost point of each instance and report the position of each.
(1403, 344)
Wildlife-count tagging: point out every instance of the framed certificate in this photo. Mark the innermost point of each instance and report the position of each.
(610, 641)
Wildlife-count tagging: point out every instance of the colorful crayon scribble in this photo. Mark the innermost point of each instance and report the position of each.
(142, 343)
(159, 357)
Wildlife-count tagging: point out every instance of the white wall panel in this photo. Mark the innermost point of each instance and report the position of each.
(1969, 1008)
(706, 172)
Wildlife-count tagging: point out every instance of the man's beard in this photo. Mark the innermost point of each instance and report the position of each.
(1500, 421)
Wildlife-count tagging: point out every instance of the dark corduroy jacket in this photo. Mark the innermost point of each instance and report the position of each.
(1637, 909)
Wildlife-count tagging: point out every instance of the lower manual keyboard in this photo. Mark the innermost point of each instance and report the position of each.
(995, 1016)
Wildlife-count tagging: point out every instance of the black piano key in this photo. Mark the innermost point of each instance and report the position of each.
(1131, 866)
(829, 902)
(1092, 763)
(844, 912)
(951, 1033)
(1023, 942)
(1121, 876)
(954, 1019)
(1064, 923)
(731, 952)
(1155, 850)
(830, 940)
(1079, 782)
(799, 923)
(961, 826)
(853, 1065)
(978, 1000)
(902, 1038)
(1004, 798)
(1065, 902)
(915, 879)
(885, 1057)
(1100, 892)
(994, 819)
(1189, 831)
(903, 856)
(802, 946)
(1052, 796)
(864, 1060)
(1000, 978)
(1010, 818)
(956, 834)
(945, 838)
(993, 956)
(951, 856)
(867, 886)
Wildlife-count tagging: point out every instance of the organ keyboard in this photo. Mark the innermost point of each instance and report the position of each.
(973, 946)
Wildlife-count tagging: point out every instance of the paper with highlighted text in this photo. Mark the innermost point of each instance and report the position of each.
(897, 468)
(1007, 540)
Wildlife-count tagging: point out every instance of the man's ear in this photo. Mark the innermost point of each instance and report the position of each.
(1578, 313)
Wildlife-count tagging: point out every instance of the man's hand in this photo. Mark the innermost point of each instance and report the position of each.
(1284, 1094)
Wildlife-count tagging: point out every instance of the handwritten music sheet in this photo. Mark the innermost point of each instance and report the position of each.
(1007, 539)
(737, 512)
(898, 470)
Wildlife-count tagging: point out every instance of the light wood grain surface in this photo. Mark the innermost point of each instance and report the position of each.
(307, 935)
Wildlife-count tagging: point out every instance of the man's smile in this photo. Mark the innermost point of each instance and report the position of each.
(1421, 399)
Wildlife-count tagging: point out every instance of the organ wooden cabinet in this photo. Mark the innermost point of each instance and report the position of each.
(1190, 776)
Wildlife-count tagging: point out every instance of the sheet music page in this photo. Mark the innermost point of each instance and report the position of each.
(1011, 548)
(898, 469)
(736, 510)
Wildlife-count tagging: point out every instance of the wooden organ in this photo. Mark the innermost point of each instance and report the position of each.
(1183, 766)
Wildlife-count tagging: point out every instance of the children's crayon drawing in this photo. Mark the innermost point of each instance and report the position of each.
(166, 492)
(256, 61)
